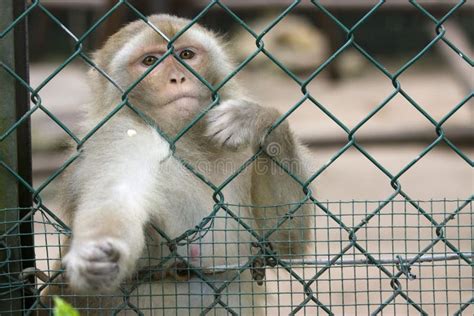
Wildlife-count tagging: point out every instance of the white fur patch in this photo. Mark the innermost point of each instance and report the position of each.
(128, 49)
(202, 38)
(162, 148)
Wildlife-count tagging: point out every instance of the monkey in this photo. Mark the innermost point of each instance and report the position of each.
(132, 192)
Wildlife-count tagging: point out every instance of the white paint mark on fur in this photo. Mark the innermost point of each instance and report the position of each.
(131, 132)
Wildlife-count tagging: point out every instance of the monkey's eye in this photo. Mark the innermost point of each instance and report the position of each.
(186, 54)
(149, 60)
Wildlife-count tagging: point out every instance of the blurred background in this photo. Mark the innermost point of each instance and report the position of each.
(350, 87)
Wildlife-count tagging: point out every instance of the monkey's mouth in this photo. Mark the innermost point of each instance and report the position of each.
(182, 99)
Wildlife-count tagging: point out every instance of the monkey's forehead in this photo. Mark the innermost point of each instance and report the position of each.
(138, 36)
(171, 25)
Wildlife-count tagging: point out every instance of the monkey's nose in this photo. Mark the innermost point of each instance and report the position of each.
(177, 79)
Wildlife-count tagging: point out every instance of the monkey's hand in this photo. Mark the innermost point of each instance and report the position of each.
(96, 266)
(238, 123)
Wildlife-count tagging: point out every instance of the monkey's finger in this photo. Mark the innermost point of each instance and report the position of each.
(103, 252)
(221, 123)
(112, 253)
(105, 269)
(215, 114)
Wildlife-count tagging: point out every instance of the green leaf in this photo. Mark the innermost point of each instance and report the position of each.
(62, 308)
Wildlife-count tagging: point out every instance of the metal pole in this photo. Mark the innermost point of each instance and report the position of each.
(16, 238)
(24, 148)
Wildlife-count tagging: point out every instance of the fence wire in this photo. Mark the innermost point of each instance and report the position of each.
(395, 256)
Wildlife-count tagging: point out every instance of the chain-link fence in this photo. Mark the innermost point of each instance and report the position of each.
(395, 256)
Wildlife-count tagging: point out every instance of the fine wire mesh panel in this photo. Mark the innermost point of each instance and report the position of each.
(397, 252)
(396, 256)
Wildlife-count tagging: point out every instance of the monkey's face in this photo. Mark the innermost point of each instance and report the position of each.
(168, 88)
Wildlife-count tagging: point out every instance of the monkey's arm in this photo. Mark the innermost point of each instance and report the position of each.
(236, 124)
(112, 184)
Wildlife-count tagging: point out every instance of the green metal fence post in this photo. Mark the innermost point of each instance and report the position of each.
(8, 185)
(15, 152)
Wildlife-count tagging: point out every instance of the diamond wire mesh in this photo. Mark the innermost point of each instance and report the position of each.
(352, 268)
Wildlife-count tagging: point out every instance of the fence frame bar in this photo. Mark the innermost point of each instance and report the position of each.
(16, 149)
(24, 152)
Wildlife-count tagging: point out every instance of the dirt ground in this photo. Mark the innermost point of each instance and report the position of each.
(400, 229)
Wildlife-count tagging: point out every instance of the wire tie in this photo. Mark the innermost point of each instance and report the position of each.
(405, 268)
